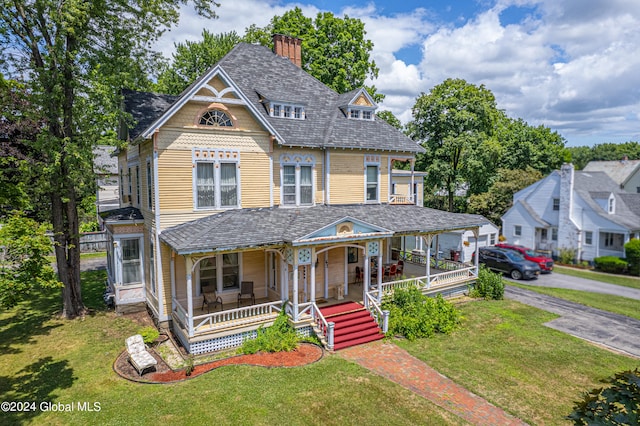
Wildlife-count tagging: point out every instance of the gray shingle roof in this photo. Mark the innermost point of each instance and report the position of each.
(252, 228)
(121, 214)
(619, 171)
(145, 107)
(258, 73)
(591, 186)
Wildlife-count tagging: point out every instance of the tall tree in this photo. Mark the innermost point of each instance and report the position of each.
(388, 116)
(72, 54)
(334, 50)
(581, 155)
(192, 58)
(455, 123)
(527, 146)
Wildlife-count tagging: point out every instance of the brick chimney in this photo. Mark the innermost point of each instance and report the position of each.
(288, 47)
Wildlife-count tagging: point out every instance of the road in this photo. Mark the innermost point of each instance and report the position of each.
(614, 331)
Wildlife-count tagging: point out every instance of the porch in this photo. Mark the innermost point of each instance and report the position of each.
(223, 328)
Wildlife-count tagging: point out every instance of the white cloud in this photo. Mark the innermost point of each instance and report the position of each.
(571, 65)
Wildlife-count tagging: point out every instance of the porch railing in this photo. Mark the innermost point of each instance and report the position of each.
(326, 328)
(381, 317)
(225, 319)
(452, 277)
(400, 199)
(421, 259)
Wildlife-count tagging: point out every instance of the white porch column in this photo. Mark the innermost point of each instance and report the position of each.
(314, 259)
(295, 284)
(326, 274)
(367, 276)
(412, 198)
(172, 272)
(476, 233)
(284, 292)
(428, 240)
(189, 269)
(380, 271)
(345, 282)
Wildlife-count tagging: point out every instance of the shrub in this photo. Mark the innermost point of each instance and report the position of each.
(632, 249)
(149, 334)
(617, 404)
(611, 264)
(567, 255)
(489, 285)
(280, 337)
(415, 315)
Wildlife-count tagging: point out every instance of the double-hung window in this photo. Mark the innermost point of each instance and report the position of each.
(223, 269)
(149, 186)
(138, 185)
(131, 261)
(216, 181)
(372, 183)
(297, 180)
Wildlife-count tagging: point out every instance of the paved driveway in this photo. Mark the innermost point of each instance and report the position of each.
(617, 332)
(574, 283)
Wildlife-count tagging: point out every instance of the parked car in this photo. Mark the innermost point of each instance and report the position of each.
(546, 263)
(509, 262)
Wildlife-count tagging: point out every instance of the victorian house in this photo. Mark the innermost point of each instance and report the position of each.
(260, 181)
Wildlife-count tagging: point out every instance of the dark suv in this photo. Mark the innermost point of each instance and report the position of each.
(546, 263)
(508, 261)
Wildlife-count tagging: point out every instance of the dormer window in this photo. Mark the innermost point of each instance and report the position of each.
(295, 112)
(612, 204)
(215, 118)
(355, 113)
(357, 105)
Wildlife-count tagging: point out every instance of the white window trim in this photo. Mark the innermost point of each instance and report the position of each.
(372, 161)
(352, 111)
(292, 109)
(149, 173)
(298, 161)
(118, 257)
(611, 204)
(515, 230)
(215, 157)
(586, 233)
(152, 265)
(219, 275)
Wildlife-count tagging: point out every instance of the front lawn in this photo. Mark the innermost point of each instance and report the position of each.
(505, 354)
(47, 361)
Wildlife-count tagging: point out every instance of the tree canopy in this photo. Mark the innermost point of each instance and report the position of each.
(455, 122)
(75, 56)
(334, 50)
(581, 155)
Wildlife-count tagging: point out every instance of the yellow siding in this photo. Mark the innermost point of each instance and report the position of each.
(189, 114)
(175, 181)
(165, 253)
(253, 269)
(254, 179)
(346, 177)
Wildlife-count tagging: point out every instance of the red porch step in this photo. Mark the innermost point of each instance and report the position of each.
(354, 325)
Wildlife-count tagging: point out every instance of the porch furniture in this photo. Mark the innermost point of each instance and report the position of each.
(246, 292)
(210, 298)
(359, 275)
(139, 357)
(389, 270)
(400, 268)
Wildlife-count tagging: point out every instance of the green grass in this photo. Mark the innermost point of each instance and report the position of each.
(627, 281)
(606, 302)
(46, 359)
(505, 354)
(93, 255)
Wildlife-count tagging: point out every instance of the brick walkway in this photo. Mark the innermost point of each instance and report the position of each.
(397, 365)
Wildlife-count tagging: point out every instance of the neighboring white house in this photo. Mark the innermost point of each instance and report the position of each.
(625, 173)
(105, 168)
(579, 210)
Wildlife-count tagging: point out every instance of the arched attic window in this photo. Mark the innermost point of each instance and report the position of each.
(215, 118)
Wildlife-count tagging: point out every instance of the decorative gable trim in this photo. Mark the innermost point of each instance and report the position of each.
(190, 94)
(345, 229)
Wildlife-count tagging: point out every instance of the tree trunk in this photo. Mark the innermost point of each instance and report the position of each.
(67, 249)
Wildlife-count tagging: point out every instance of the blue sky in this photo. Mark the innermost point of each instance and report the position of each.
(571, 65)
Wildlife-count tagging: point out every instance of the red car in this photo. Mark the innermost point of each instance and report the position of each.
(546, 263)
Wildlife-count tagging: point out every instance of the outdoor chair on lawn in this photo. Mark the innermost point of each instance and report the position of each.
(246, 291)
(139, 357)
(211, 298)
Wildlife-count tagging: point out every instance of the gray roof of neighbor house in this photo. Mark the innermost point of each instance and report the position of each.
(250, 228)
(591, 186)
(103, 162)
(259, 73)
(122, 214)
(618, 171)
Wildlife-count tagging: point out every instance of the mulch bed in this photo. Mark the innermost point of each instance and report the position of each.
(306, 353)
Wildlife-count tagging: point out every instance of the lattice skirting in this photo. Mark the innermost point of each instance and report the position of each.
(227, 342)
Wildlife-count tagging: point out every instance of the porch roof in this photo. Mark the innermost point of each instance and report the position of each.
(263, 227)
